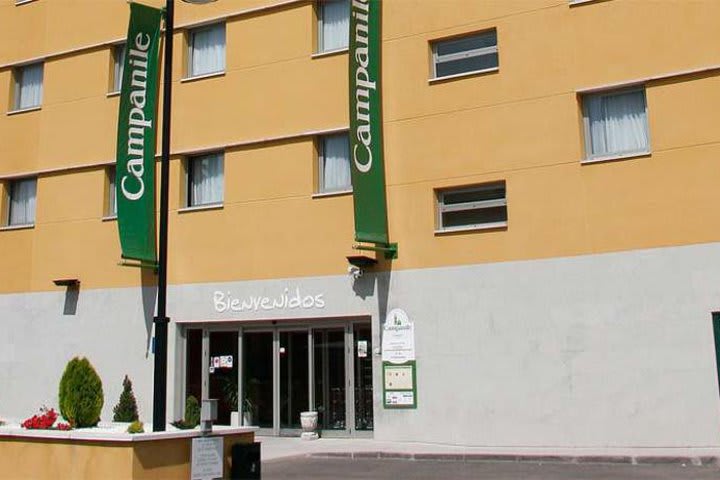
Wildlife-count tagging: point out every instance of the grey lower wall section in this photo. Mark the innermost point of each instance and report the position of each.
(608, 350)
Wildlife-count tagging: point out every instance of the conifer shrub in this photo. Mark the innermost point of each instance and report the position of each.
(80, 394)
(126, 409)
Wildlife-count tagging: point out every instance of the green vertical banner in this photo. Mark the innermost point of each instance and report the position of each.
(137, 122)
(366, 140)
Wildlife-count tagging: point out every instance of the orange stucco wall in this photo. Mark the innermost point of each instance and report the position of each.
(521, 124)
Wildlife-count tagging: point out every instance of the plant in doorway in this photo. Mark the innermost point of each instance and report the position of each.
(230, 394)
(192, 415)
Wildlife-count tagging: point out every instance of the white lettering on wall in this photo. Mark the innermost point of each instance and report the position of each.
(225, 302)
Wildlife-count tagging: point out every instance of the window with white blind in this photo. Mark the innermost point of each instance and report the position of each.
(615, 124)
(334, 163)
(28, 86)
(205, 180)
(111, 204)
(206, 50)
(463, 55)
(333, 25)
(118, 66)
(478, 207)
(21, 202)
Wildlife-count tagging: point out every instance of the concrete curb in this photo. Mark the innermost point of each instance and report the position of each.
(480, 457)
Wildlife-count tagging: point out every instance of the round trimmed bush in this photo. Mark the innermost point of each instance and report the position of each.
(80, 394)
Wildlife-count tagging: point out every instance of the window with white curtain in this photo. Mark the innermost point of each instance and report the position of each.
(111, 210)
(21, 202)
(205, 180)
(334, 25)
(334, 163)
(615, 124)
(468, 54)
(28, 86)
(207, 50)
(118, 66)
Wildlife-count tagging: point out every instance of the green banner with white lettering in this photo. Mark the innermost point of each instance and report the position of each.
(137, 121)
(366, 142)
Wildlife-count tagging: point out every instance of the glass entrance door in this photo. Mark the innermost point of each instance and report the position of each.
(223, 373)
(329, 381)
(258, 381)
(283, 372)
(294, 379)
(362, 353)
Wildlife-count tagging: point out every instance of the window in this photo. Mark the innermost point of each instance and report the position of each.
(118, 66)
(333, 25)
(207, 50)
(479, 207)
(21, 202)
(469, 54)
(334, 163)
(28, 86)
(205, 180)
(111, 205)
(615, 124)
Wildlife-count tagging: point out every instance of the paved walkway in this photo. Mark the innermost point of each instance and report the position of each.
(276, 448)
(312, 468)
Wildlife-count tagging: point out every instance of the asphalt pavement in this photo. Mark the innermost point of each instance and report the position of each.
(326, 468)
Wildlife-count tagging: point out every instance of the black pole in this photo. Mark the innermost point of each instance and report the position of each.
(161, 320)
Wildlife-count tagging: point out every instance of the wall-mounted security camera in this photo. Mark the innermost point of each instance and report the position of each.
(354, 271)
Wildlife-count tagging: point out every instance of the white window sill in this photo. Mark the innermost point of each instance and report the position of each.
(330, 53)
(24, 110)
(336, 193)
(462, 75)
(611, 158)
(202, 77)
(109, 218)
(113, 94)
(196, 208)
(24, 226)
(472, 228)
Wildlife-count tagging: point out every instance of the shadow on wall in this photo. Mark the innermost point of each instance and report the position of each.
(364, 286)
(148, 282)
(72, 294)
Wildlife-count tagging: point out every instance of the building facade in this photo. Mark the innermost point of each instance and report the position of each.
(550, 169)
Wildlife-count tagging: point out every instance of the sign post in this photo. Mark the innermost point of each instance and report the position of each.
(398, 361)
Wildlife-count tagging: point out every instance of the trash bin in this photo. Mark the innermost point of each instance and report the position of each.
(245, 461)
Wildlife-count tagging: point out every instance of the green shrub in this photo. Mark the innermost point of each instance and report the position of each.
(80, 394)
(192, 411)
(136, 427)
(126, 409)
(192, 415)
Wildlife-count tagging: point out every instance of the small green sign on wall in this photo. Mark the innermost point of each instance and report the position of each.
(398, 359)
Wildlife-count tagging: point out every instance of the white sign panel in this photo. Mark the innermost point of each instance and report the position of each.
(399, 378)
(398, 341)
(399, 398)
(362, 348)
(207, 458)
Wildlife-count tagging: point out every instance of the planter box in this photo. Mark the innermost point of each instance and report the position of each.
(88, 454)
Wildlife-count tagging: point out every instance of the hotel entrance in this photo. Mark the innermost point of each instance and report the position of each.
(266, 375)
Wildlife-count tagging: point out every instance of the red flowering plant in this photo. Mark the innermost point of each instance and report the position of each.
(45, 421)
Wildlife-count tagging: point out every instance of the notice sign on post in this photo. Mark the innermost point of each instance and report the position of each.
(207, 458)
(398, 359)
